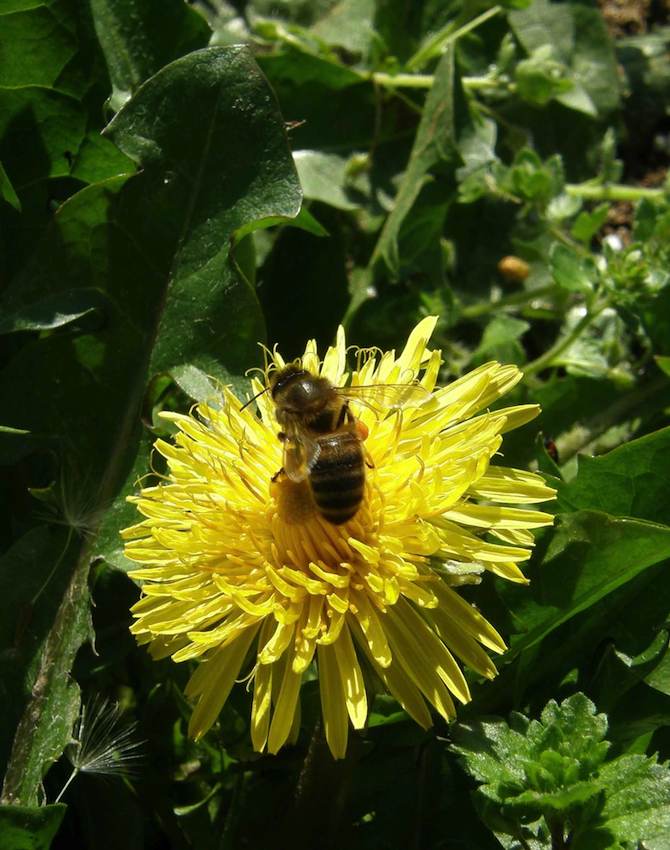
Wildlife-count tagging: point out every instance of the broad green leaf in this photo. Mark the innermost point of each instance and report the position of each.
(633, 619)
(301, 68)
(324, 177)
(49, 620)
(435, 145)
(636, 807)
(587, 224)
(7, 190)
(555, 769)
(29, 827)
(589, 556)
(348, 24)
(75, 306)
(659, 677)
(540, 78)
(29, 609)
(207, 182)
(139, 37)
(578, 36)
(39, 127)
(195, 383)
(629, 481)
(52, 86)
(36, 46)
(97, 159)
(500, 339)
(570, 271)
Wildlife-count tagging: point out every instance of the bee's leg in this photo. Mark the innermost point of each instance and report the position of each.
(282, 437)
(368, 459)
(345, 415)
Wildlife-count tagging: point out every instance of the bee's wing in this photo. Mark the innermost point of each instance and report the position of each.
(386, 396)
(300, 454)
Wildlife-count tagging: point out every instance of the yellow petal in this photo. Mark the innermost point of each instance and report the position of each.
(262, 701)
(333, 705)
(284, 713)
(351, 678)
(419, 667)
(213, 680)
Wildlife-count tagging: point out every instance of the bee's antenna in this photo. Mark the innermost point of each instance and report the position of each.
(253, 398)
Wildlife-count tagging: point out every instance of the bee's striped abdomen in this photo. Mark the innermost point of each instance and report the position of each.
(338, 477)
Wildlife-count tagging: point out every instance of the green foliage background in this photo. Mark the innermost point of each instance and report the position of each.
(178, 183)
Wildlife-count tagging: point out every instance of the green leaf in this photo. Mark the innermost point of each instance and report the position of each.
(588, 557)
(200, 207)
(629, 481)
(435, 145)
(57, 311)
(37, 46)
(540, 78)
(45, 640)
(538, 768)
(29, 827)
(7, 190)
(325, 177)
(636, 809)
(570, 271)
(195, 383)
(38, 126)
(500, 339)
(295, 66)
(348, 24)
(555, 769)
(580, 40)
(97, 159)
(139, 37)
(587, 224)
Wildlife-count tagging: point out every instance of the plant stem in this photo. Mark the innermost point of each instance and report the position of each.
(562, 344)
(406, 81)
(314, 819)
(425, 81)
(445, 36)
(473, 311)
(614, 192)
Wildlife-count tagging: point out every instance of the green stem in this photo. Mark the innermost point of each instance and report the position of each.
(445, 36)
(488, 82)
(405, 81)
(425, 81)
(473, 311)
(544, 360)
(614, 192)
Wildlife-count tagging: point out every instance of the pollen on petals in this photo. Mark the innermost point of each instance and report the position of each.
(242, 573)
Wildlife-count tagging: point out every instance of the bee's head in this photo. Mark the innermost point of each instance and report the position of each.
(297, 390)
(283, 379)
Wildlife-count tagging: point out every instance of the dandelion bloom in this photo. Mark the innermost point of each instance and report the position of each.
(243, 575)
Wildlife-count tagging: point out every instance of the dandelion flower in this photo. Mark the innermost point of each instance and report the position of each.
(243, 575)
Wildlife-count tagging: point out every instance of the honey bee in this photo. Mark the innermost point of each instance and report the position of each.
(323, 440)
